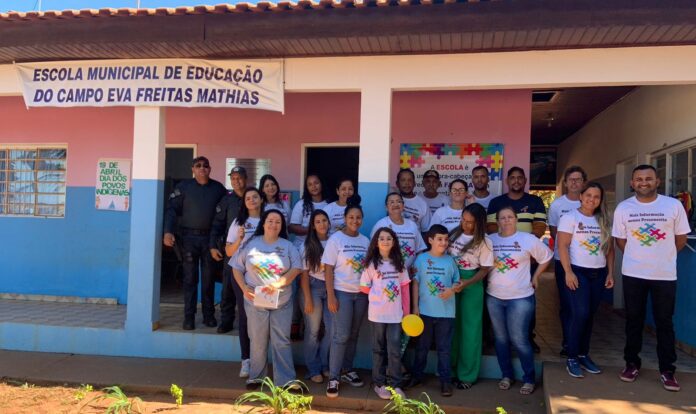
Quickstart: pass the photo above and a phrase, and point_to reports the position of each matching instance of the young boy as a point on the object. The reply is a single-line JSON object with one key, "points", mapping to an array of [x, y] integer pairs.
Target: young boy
{"points": [[432, 292]]}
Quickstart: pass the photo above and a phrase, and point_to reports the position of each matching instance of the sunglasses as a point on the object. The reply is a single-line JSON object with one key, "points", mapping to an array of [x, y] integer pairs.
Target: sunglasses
{"points": [[201, 165]]}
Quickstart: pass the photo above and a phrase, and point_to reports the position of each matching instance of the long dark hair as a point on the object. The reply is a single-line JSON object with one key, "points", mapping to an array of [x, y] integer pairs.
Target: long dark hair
{"points": [[602, 216], [243, 215], [307, 203], [262, 181], [283, 226], [479, 214], [375, 258], [313, 250]]}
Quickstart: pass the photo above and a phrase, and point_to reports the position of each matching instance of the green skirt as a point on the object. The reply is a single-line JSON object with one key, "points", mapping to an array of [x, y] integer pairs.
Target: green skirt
{"points": [[466, 345]]}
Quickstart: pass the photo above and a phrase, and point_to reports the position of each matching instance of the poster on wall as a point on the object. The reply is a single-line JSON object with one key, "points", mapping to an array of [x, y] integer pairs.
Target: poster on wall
{"points": [[113, 184], [454, 161]]}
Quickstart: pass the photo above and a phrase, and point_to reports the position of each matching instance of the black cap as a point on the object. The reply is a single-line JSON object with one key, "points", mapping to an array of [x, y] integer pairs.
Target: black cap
{"points": [[239, 170], [431, 173]]}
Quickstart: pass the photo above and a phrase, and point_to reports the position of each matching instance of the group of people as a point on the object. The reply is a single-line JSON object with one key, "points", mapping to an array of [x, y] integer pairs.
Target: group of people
{"points": [[442, 258]]}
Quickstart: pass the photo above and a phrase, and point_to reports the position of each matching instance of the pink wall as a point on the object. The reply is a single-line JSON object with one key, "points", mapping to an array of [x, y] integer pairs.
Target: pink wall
{"points": [[91, 133], [244, 133], [464, 117]]}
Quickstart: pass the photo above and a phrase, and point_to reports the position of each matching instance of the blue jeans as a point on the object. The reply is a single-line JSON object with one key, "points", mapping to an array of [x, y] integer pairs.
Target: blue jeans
{"points": [[270, 325], [346, 326], [441, 330], [510, 319], [563, 301], [584, 302], [316, 353], [386, 347]]}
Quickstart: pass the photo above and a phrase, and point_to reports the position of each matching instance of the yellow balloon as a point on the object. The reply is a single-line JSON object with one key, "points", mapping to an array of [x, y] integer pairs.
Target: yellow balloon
{"points": [[412, 325]]}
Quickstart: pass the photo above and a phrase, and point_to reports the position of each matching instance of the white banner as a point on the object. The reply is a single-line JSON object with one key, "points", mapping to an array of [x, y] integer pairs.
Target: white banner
{"points": [[160, 82], [112, 191]]}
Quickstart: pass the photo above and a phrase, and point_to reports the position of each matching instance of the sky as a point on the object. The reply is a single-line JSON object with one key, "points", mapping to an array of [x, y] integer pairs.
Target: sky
{"points": [[33, 5]]}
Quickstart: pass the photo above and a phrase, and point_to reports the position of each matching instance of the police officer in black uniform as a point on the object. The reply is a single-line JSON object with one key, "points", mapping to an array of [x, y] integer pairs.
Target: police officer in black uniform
{"points": [[226, 211], [193, 204]]}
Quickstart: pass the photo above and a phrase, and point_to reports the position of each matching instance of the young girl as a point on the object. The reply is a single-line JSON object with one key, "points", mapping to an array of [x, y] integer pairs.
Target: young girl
{"points": [[270, 190], [344, 261], [345, 190], [312, 199], [385, 281], [315, 304], [241, 229]]}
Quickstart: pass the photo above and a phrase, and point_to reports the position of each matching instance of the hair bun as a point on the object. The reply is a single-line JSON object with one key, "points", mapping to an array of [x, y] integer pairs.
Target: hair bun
{"points": [[354, 201]]}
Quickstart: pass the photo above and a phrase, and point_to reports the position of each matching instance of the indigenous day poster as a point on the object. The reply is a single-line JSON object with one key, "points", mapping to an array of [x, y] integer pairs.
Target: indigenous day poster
{"points": [[454, 161]]}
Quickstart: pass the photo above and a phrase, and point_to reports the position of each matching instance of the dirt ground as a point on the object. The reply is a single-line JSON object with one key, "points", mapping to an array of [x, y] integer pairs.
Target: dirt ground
{"points": [[23, 398]]}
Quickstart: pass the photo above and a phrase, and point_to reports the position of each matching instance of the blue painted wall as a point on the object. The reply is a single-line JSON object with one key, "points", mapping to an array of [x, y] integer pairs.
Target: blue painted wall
{"points": [[83, 254], [684, 320]]}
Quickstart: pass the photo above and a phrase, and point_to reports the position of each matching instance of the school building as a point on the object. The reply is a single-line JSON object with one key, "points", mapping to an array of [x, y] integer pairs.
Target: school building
{"points": [[602, 84]]}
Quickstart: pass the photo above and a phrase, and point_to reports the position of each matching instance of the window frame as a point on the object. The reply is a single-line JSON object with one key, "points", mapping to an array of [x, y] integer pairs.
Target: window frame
{"points": [[36, 192]]}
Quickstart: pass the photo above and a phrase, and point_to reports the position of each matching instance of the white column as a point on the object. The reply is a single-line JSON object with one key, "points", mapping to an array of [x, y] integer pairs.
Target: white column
{"points": [[146, 218], [375, 148]]}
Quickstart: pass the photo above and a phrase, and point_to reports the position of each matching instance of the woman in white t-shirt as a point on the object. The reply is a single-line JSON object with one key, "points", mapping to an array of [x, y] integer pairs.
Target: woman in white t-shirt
{"points": [[314, 301], [473, 252], [409, 237], [586, 250], [243, 227], [336, 210], [510, 295], [344, 261], [450, 215], [312, 199], [270, 189]]}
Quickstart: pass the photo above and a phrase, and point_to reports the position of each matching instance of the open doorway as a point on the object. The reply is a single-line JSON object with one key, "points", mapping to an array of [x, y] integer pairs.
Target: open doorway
{"points": [[177, 167], [332, 163]]}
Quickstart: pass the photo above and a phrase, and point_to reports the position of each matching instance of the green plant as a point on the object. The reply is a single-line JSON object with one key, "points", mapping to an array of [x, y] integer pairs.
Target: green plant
{"points": [[178, 394], [82, 392], [500, 410], [279, 399], [120, 401], [400, 405]]}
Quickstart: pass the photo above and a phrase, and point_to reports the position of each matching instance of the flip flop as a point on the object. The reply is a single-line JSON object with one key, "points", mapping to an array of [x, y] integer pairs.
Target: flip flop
{"points": [[505, 384], [527, 388]]}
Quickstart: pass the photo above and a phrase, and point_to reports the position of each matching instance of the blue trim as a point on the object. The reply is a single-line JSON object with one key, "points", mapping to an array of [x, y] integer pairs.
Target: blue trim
{"points": [[84, 254], [145, 264], [372, 195]]}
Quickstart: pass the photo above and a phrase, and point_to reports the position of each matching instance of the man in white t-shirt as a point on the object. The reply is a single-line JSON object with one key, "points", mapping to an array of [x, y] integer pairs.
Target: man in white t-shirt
{"points": [[574, 178], [650, 229], [431, 185], [415, 207], [480, 179]]}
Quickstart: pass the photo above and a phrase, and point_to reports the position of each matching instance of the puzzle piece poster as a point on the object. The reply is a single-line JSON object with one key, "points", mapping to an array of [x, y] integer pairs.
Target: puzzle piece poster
{"points": [[454, 161]]}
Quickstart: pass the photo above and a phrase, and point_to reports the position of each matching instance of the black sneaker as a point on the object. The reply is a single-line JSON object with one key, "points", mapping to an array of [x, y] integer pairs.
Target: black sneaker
{"points": [[224, 328], [210, 322], [446, 389], [332, 389], [189, 325], [352, 378]]}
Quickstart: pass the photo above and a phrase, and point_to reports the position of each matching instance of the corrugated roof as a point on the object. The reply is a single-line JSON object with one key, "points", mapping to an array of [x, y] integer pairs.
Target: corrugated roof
{"points": [[260, 7]]}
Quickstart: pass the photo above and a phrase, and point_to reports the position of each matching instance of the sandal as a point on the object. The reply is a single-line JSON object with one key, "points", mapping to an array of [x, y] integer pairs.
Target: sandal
{"points": [[463, 385], [527, 388], [505, 384]]}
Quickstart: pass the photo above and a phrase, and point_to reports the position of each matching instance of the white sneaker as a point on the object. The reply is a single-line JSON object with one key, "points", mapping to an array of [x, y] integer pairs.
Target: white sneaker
{"points": [[244, 370], [382, 392]]}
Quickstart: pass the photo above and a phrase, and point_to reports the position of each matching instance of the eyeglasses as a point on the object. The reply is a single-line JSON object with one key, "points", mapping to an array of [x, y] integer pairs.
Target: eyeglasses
{"points": [[201, 165]]}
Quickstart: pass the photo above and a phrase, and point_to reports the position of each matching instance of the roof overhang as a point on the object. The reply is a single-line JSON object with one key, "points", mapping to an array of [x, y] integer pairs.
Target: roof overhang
{"points": [[344, 27]]}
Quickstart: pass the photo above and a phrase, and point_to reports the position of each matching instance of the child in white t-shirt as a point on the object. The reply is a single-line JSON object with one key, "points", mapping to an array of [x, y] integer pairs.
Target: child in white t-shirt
{"points": [[385, 281]]}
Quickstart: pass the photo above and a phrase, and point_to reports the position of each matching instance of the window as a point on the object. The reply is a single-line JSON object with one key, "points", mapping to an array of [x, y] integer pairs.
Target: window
{"points": [[676, 170], [32, 181]]}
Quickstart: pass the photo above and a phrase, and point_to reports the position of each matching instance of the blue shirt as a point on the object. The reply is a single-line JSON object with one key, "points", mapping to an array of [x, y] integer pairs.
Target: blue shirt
{"points": [[434, 275]]}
